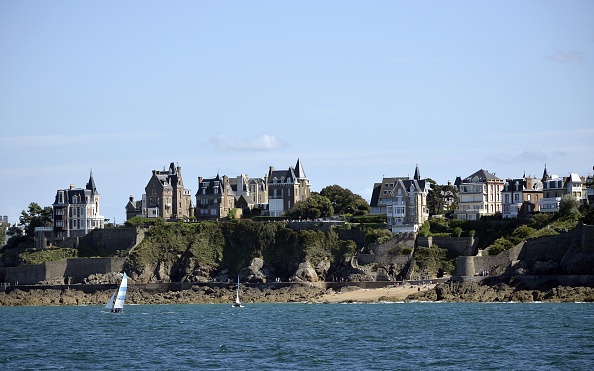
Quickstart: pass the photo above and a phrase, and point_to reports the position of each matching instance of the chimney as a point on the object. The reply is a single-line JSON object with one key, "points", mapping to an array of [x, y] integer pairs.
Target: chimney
{"points": [[132, 199], [71, 186]]}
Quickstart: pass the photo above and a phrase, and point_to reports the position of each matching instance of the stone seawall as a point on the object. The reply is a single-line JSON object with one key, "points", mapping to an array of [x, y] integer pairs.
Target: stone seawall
{"points": [[569, 253], [495, 264], [112, 240], [73, 270], [458, 245]]}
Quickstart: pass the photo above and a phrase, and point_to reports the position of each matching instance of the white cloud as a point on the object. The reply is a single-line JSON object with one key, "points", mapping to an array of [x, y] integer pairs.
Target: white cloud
{"points": [[565, 57], [265, 142]]}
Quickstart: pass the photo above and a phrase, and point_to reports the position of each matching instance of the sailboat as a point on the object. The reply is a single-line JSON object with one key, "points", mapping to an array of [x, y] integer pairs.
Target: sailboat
{"points": [[237, 303], [116, 302]]}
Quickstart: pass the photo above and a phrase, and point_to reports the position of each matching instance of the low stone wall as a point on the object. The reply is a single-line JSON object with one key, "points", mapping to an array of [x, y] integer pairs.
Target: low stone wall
{"points": [[317, 225], [72, 270], [398, 260]]}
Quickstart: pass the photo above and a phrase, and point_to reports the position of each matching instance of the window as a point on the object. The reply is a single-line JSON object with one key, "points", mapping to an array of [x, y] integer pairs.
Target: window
{"points": [[516, 198], [507, 199]]}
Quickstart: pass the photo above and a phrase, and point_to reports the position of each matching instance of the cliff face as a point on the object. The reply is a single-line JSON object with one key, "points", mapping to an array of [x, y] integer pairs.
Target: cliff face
{"points": [[199, 252]]}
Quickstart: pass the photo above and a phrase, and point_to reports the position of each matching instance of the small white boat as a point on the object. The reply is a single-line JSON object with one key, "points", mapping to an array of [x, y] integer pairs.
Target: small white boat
{"points": [[116, 302], [237, 303]]}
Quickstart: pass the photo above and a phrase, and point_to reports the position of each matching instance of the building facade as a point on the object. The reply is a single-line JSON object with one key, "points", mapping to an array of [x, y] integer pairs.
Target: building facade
{"points": [[250, 194], [555, 187], [215, 197], [285, 188], [521, 197], [479, 195], [403, 201], [165, 196], [76, 211]]}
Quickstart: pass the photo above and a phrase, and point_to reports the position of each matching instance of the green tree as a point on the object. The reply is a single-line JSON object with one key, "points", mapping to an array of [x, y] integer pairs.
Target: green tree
{"points": [[538, 221], [441, 198], [344, 201], [315, 206], [501, 244], [34, 217], [569, 208], [522, 233]]}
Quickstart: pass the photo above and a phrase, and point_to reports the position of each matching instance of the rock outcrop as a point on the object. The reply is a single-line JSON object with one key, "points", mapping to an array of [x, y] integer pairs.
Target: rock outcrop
{"points": [[196, 295], [503, 292]]}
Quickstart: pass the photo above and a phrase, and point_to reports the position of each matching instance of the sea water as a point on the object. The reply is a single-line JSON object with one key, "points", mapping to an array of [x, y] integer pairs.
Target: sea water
{"points": [[293, 336]]}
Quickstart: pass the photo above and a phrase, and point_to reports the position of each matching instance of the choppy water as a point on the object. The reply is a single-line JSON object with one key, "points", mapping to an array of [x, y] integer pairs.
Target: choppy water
{"points": [[301, 337]]}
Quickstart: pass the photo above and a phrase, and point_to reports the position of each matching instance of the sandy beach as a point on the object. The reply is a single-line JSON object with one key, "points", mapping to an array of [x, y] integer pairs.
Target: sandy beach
{"points": [[397, 293]]}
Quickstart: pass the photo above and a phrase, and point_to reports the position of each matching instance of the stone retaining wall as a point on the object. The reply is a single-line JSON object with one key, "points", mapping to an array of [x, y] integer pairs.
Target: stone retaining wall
{"points": [[73, 270], [458, 245], [545, 249]]}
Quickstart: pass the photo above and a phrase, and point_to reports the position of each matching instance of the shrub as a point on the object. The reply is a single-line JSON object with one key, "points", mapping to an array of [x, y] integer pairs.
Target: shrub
{"points": [[407, 251], [501, 244], [522, 233], [369, 219], [424, 230], [457, 232], [539, 221], [377, 235]]}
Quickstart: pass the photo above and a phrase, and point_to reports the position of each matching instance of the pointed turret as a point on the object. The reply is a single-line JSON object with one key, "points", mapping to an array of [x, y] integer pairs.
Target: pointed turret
{"points": [[545, 174], [91, 185], [417, 175], [299, 170]]}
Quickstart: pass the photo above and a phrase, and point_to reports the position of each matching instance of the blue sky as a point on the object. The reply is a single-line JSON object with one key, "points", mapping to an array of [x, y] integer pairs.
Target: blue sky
{"points": [[357, 90]]}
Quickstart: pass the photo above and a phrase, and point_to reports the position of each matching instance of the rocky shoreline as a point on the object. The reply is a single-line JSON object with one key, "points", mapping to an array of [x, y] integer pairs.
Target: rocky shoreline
{"points": [[447, 292], [196, 295], [502, 292]]}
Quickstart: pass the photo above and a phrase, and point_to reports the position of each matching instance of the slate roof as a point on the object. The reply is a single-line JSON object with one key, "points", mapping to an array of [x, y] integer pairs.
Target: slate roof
{"points": [[482, 175], [294, 173], [91, 185], [386, 187], [211, 185]]}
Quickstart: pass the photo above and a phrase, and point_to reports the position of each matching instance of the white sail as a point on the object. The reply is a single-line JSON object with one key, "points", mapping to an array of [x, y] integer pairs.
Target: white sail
{"points": [[116, 302], [109, 304], [237, 302], [121, 297]]}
